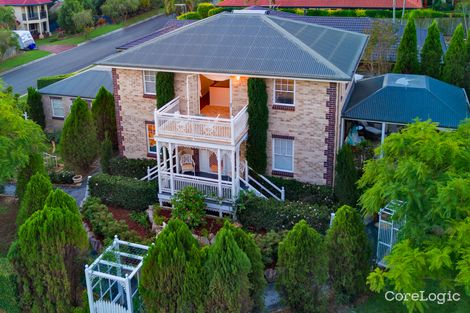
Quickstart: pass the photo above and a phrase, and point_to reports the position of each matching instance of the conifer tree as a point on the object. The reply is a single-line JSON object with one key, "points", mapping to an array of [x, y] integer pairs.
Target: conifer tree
{"points": [[346, 177], [79, 145], [302, 267], [60, 199], [37, 190], [407, 53], [35, 165], [169, 270], [431, 53], [348, 254], [104, 115], [106, 154], [257, 125], [165, 88], [467, 64], [36, 110], [227, 269], [453, 70]]}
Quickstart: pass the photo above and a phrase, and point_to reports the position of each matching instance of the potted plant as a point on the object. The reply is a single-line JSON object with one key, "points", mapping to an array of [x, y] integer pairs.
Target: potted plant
{"points": [[77, 179]]}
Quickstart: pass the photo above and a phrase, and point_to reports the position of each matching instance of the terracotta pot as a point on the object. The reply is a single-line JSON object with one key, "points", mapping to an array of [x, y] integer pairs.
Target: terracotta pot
{"points": [[77, 179]]}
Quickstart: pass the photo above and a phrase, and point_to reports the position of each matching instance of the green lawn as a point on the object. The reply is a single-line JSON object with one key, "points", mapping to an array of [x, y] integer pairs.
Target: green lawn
{"points": [[99, 31], [21, 59]]}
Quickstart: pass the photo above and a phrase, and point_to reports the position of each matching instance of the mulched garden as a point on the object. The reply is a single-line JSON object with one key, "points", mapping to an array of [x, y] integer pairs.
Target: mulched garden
{"points": [[8, 211]]}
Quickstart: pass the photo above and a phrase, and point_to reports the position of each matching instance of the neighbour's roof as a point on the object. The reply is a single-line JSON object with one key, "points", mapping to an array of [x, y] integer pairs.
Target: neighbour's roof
{"points": [[85, 84], [250, 44], [366, 4], [24, 2], [400, 98]]}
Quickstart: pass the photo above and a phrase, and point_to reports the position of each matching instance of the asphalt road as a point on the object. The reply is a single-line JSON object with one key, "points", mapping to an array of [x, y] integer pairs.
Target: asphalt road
{"points": [[79, 57]]}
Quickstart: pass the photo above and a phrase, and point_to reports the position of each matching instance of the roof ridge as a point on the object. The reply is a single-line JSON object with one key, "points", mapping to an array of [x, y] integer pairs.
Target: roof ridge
{"points": [[303, 46]]}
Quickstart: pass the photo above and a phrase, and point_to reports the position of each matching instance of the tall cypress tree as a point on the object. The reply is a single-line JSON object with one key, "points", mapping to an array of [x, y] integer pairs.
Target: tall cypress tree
{"points": [[35, 165], [467, 64], [165, 88], [37, 190], [431, 53], [348, 254], [257, 125], [60, 199], [36, 110], [104, 115], [346, 177], [407, 53], [79, 145], [453, 70]]}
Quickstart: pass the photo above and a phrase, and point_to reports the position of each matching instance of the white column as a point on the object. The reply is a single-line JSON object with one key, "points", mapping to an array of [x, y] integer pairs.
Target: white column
{"points": [[341, 133], [91, 301], [172, 182], [382, 139], [177, 159], [237, 168], [159, 168], [232, 163], [219, 172], [230, 86], [130, 305]]}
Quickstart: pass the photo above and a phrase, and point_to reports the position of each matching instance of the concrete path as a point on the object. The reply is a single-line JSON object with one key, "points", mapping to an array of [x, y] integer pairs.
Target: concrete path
{"points": [[79, 57]]}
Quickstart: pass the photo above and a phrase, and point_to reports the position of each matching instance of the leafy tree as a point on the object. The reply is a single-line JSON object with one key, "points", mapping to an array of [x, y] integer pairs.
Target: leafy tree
{"points": [[47, 258], [35, 165], [106, 154], [169, 6], [79, 145], [302, 267], [189, 206], [37, 190], [346, 177], [227, 270], [431, 53], [453, 70], [83, 20], [120, 9], [19, 138], [257, 125], [382, 37], [36, 110], [166, 270], [407, 53], [66, 12], [348, 254], [7, 40], [203, 9], [165, 88], [429, 171], [104, 114], [7, 17]]}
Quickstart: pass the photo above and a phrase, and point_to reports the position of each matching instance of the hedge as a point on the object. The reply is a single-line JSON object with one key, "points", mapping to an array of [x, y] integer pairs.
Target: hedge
{"points": [[373, 13], [203, 9], [62, 177], [134, 168], [124, 192], [189, 16], [215, 11], [49, 80], [269, 214], [8, 298]]}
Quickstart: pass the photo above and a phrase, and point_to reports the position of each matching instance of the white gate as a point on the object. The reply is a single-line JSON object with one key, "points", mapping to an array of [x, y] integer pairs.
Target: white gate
{"points": [[103, 306], [387, 232]]}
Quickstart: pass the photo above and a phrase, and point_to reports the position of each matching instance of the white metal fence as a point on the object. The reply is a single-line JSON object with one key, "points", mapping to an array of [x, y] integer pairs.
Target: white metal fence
{"points": [[387, 233]]}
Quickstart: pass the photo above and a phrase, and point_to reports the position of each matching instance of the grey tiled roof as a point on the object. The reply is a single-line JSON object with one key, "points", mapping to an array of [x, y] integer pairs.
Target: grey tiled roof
{"points": [[85, 84], [250, 44], [400, 98]]}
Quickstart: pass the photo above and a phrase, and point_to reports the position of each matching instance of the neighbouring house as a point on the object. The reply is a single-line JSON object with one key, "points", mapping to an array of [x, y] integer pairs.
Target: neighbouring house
{"points": [[382, 105], [30, 15], [57, 98], [199, 137], [324, 4]]}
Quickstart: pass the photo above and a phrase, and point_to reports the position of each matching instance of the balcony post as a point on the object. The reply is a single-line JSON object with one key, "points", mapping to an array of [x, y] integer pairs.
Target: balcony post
{"points": [[155, 121], [159, 167], [232, 163], [172, 181], [177, 159], [237, 171], [219, 173]]}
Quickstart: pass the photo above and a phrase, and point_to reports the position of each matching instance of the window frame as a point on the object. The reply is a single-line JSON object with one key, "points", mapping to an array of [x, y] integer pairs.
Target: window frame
{"points": [[146, 92], [52, 107], [147, 138], [275, 90], [274, 169]]}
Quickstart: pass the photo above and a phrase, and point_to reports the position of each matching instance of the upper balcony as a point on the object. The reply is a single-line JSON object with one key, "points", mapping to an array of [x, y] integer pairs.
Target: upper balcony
{"points": [[213, 125]]}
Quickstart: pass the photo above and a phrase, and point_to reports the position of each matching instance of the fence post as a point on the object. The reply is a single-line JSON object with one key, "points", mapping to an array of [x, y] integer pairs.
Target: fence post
{"points": [[148, 173], [283, 194], [246, 171], [89, 287]]}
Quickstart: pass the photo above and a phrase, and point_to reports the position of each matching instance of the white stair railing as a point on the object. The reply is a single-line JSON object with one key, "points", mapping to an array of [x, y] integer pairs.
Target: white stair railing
{"points": [[268, 189], [152, 173]]}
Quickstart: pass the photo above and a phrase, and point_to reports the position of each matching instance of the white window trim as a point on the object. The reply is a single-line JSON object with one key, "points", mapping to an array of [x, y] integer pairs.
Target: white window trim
{"points": [[274, 93], [273, 155], [147, 139], [52, 106], [145, 85]]}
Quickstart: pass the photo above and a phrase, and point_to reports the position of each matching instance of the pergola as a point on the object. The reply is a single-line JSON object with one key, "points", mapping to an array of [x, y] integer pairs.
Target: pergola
{"points": [[113, 278]]}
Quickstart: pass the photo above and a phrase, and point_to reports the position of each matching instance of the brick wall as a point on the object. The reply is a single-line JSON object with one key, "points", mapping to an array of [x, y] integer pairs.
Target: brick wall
{"points": [[330, 130]]}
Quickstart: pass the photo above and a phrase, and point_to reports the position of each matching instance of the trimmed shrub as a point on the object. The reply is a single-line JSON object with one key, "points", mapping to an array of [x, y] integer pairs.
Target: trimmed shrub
{"points": [[35, 165], [104, 224], [168, 271], [190, 16], [203, 9], [78, 144], [348, 254], [257, 125], [135, 168], [36, 110], [49, 80], [304, 192], [188, 206], [215, 11], [431, 53], [165, 88], [268, 244], [346, 177], [8, 300], [37, 190], [453, 70], [104, 115], [60, 199], [124, 192], [407, 53], [106, 154], [269, 214], [302, 269], [62, 177]]}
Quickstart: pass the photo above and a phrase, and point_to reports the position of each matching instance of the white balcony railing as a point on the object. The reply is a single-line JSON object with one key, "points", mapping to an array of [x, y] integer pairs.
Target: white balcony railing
{"points": [[169, 122]]}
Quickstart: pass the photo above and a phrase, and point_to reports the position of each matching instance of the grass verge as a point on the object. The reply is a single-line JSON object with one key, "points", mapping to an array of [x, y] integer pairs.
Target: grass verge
{"points": [[22, 59]]}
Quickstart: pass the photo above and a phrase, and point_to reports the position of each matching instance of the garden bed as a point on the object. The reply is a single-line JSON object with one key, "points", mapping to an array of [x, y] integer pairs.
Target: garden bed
{"points": [[211, 225], [125, 215]]}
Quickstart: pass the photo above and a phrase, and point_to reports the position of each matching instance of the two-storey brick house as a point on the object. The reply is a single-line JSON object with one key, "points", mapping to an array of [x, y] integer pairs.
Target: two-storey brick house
{"points": [[199, 137]]}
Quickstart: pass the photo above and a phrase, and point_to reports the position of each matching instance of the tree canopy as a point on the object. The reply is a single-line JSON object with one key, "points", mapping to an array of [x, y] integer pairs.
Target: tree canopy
{"points": [[431, 53], [104, 114], [7, 17], [453, 70], [257, 125], [407, 53], [37, 191], [120, 9], [36, 110], [66, 13], [429, 171]]}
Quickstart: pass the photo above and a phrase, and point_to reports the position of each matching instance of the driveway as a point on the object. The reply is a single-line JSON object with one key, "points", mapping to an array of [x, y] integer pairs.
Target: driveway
{"points": [[79, 57]]}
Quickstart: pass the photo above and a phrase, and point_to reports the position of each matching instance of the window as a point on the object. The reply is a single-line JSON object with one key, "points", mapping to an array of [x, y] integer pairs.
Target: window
{"points": [[283, 155], [57, 108], [284, 90], [150, 83], [151, 142]]}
